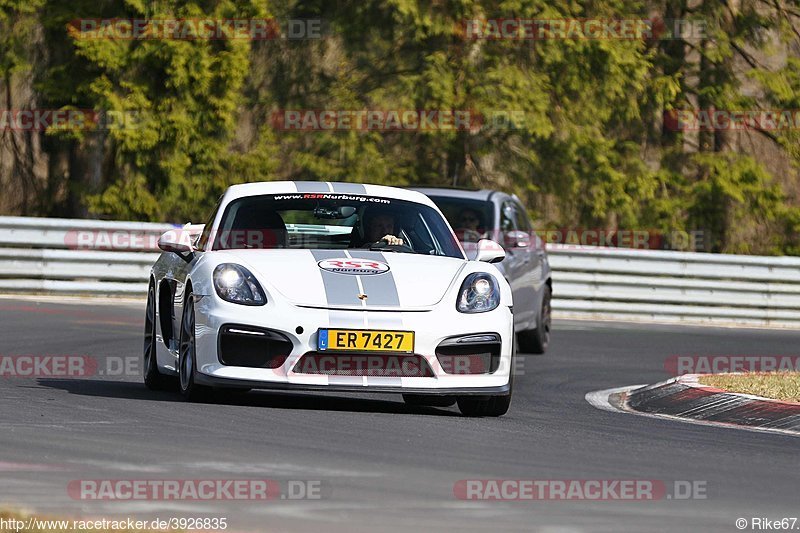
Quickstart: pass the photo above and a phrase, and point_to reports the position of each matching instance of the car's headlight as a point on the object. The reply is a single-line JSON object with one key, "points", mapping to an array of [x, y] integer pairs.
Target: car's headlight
{"points": [[234, 283], [479, 293]]}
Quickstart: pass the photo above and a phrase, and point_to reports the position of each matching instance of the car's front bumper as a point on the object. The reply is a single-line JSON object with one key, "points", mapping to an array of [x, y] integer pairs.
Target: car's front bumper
{"points": [[213, 381], [430, 328]]}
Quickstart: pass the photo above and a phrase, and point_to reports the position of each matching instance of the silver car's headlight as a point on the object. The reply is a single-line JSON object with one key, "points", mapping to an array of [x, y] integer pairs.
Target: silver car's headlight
{"points": [[234, 283], [479, 293]]}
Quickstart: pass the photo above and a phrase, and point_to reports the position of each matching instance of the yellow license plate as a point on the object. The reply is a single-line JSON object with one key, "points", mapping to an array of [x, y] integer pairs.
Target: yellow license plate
{"points": [[363, 340]]}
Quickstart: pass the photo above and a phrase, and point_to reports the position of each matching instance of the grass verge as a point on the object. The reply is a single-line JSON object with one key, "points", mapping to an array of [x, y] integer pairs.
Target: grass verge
{"points": [[783, 386]]}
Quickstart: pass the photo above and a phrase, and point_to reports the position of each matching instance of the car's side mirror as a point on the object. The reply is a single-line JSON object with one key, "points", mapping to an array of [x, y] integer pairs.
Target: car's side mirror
{"points": [[194, 231], [516, 239], [172, 241], [489, 252], [180, 241]]}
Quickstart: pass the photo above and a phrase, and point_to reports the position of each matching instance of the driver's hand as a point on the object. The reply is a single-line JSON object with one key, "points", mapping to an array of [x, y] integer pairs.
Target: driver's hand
{"points": [[391, 240]]}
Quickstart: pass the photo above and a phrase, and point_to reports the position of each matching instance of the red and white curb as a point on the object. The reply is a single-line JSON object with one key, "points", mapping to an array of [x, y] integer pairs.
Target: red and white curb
{"points": [[685, 398]]}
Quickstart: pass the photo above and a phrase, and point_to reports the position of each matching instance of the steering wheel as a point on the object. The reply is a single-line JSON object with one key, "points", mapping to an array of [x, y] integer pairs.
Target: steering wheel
{"points": [[384, 244]]}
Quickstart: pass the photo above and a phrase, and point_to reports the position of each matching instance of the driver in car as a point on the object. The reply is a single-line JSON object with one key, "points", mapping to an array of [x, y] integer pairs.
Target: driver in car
{"points": [[469, 226], [381, 227]]}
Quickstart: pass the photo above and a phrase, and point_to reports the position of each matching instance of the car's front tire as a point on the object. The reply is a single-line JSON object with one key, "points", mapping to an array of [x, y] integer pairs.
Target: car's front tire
{"points": [[495, 405], [153, 379], [187, 360], [537, 340], [484, 405]]}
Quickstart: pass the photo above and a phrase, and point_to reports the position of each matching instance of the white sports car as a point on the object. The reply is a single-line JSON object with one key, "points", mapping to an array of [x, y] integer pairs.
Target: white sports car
{"points": [[330, 286]]}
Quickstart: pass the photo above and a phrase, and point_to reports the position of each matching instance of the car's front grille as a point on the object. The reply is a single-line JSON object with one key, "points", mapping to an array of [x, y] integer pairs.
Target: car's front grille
{"points": [[252, 347], [375, 365]]}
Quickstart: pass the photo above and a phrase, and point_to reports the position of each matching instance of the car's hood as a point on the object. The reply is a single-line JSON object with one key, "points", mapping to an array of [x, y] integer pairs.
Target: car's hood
{"points": [[336, 278]]}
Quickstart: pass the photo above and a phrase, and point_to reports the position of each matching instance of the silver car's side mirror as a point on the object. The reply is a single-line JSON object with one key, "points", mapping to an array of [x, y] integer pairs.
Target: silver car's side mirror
{"points": [[489, 252], [517, 239]]}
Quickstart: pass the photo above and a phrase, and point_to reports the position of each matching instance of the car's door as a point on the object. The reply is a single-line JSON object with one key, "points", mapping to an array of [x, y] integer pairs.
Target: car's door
{"points": [[535, 247], [531, 271], [515, 262], [177, 269]]}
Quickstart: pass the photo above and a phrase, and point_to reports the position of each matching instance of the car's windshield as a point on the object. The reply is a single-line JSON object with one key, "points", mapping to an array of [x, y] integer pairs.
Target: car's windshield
{"points": [[472, 220], [334, 221]]}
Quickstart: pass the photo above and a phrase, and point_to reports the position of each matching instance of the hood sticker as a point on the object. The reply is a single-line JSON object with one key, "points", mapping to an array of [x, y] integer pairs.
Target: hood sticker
{"points": [[354, 267]]}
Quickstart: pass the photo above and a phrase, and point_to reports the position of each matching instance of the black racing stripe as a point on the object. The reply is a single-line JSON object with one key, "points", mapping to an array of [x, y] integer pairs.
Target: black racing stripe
{"points": [[340, 289], [349, 188], [312, 186], [381, 289]]}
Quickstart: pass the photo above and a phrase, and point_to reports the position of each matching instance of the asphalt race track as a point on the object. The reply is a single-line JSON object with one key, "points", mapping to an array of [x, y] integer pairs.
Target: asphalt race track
{"points": [[381, 464]]}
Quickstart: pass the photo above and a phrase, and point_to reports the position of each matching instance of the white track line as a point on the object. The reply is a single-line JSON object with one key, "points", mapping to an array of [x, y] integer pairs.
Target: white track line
{"points": [[599, 400]]}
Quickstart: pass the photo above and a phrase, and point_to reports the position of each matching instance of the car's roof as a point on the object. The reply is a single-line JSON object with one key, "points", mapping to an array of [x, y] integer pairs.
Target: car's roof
{"points": [[482, 194], [324, 187]]}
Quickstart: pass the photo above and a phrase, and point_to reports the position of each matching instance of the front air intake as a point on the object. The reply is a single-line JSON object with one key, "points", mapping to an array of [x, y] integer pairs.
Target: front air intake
{"points": [[470, 354], [252, 347]]}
